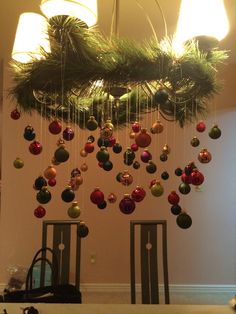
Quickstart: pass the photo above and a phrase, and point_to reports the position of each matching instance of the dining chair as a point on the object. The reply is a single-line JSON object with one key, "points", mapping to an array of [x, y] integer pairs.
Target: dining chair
{"points": [[148, 260]]}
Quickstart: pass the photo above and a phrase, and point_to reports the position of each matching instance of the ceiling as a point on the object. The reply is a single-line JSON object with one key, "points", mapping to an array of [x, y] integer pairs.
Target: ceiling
{"points": [[133, 22]]}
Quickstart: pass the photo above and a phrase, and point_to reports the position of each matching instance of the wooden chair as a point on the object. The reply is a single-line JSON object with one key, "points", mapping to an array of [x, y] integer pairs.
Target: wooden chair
{"points": [[150, 238]]}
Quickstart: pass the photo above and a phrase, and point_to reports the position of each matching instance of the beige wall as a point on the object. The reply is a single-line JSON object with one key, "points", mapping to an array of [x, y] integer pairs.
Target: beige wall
{"points": [[203, 254]]}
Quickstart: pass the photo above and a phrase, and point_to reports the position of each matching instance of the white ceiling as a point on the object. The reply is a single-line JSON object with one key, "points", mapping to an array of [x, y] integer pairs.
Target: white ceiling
{"points": [[132, 20]]}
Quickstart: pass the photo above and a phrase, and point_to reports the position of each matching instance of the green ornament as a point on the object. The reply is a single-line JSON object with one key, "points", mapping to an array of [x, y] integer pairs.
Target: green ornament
{"points": [[151, 167], [92, 124], [214, 132], [184, 221], [102, 155], [163, 157], [136, 165], [178, 172], [195, 141], [43, 196], [74, 210], [184, 188], [165, 175], [18, 163], [61, 154], [157, 189]]}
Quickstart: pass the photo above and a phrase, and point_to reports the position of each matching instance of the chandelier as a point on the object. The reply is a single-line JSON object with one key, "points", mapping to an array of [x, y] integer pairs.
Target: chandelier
{"points": [[73, 70]]}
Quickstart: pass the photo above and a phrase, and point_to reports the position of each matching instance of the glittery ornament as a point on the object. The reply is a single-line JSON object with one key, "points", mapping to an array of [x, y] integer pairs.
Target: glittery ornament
{"points": [[103, 142], [83, 230], [117, 148], [15, 114], [44, 195], [111, 198], [84, 167], [68, 134], [157, 189], [204, 156], [200, 127], [74, 210], [195, 141], [184, 188], [166, 149], [138, 194], [151, 167], [55, 127], [102, 205], [39, 183], [68, 194], [108, 124], [106, 132], [97, 196], [18, 163], [163, 157], [136, 127], [178, 172], [136, 165], [50, 172], [52, 182], [173, 198], [127, 205], [35, 148], [61, 154], [103, 155], [214, 132], [89, 148], [29, 133], [197, 177], [157, 127], [92, 124], [143, 139], [126, 178], [146, 156], [165, 175], [134, 147], [184, 221], [175, 209], [39, 212], [129, 155], [161, 96], [186, 178], [75, 182]]}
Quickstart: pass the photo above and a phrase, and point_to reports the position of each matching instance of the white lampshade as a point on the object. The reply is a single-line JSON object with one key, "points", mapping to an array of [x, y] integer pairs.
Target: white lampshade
{"points": [[31, 37], [201, 18], [85, 10]]}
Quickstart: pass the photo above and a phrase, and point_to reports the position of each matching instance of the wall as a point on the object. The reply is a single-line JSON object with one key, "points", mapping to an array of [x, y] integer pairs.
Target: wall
{"points": [[203, 254]]}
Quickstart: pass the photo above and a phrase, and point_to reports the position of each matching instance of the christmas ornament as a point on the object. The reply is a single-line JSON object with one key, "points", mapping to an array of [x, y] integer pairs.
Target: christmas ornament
{"points": [[39, 183], [146, 156], [136, 127], [214, 132], [151, 167], [204, 156], [195, 141], [44, 195], [106, 132], [108, 124], [126, 178], [197, 177], [186, 178], [92, 124], [55, 162], [189, 169], [184, 188], [163, 157], [200, 127], [184, 221], [143, 139], [166, 149], [112, 141], [39, 212], [60, 142], [75, 182], [29, 133], [83, 153], [138, 194], [173, 198], [103, 142], [111, 198], [74, 210], [117, 148], [178, 172], [157, 189], [127, 205], [136, 165], [132, 135], [176, 209], [108, 165], [165, 175], [68, 194], [68, 134], [91, 139], [75, 172], [18, 163], [35, 148], [88, 147], [15, 114], [129, 156], [161, 96], [55, 127], [97, 196], [84, 167], [154, 181], [157, 127], [134, 147], [102, 155], [52, 182], [118, 177], [102, 205], [50, 172], [83, 230]]}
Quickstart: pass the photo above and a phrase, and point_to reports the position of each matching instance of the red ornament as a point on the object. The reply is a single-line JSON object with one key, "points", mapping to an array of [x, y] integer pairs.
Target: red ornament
{"points": [[173, 198], [15, 114], [186, 178], [204, 156], [197, 177], [52, 182], [39, 212], [134, 147], [143, 139], [97, 196], [154, 181], [35, 148], [200, 127], [136, 127], [138, 194], [112, 141], [89, 148], [55, 127], [112, 198]]}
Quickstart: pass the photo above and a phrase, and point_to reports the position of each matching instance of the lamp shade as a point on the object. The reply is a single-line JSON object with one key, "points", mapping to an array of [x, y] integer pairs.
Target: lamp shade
{"points": [[201, 18], [85, 10], [31, 37]]}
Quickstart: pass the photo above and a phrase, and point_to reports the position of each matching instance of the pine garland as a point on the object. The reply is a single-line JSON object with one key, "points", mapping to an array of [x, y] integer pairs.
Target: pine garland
{"points": [[65, 82]]}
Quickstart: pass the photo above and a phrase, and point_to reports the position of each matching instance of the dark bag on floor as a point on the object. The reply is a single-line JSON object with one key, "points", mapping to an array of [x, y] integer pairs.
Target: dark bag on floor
{"points": [[55, 293]]}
